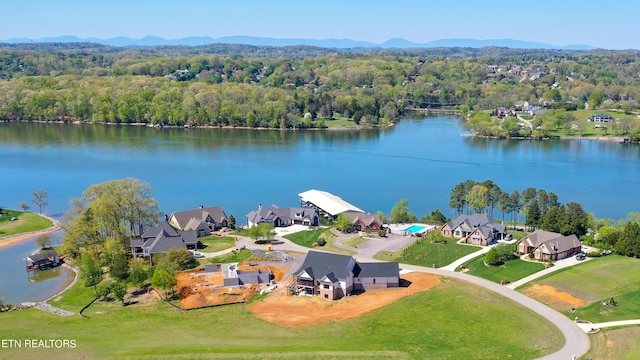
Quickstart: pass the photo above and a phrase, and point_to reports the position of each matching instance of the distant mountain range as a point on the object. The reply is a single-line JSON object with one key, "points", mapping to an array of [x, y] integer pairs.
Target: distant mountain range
{"points": [[395, 43]]}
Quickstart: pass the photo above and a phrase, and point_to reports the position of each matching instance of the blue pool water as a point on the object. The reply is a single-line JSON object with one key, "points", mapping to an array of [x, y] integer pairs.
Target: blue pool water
{"points": [[414, 229]]}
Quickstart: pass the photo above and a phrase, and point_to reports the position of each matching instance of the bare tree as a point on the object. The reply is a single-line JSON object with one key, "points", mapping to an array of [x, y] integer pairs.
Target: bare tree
{"points": [[40, 199]]}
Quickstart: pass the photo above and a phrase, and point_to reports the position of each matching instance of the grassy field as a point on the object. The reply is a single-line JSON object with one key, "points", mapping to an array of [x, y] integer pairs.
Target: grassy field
{"points": [[510, 271], [215, 243], [615, 344], [355, 241], [27, 221], [232, 257], [424, 325], [308, 238], [425, 253], [599, 280], [589, 129]]}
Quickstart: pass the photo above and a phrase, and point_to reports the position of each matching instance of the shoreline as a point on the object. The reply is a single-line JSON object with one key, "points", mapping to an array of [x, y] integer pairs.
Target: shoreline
{"points": [[161, 126], [9, 240], [612, 138]]}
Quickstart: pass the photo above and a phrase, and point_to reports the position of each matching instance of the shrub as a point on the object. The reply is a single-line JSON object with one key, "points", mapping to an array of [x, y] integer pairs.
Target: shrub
{"points": [[321, 242], [593, 254], [382, 233], [499, 254]]}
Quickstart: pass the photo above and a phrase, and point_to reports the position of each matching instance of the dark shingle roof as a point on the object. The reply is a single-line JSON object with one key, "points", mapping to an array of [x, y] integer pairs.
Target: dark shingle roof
{"points": [[318, 264], [163, 237], [269, 213], [43, 256], [377, 269]]}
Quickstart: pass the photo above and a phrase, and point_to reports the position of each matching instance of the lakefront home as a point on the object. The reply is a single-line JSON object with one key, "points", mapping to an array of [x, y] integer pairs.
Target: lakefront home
{"points": [[333, 276], [282, 217], [601, 118], [546, 245], [161, 238], [213, 218], [476, 229]]}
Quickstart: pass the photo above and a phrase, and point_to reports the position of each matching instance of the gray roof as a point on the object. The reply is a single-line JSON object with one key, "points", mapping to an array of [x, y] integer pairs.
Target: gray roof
{"points": [[318, 264], [249, 277], [550, 242], [215, 213], [43, 256], [486, 224], [163, 237], [538, 237], [287, 215], [377, 269], [366, 219]]}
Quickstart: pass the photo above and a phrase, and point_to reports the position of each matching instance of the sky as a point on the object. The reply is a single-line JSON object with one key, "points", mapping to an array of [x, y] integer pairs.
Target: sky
{"points": [[609, 25]]}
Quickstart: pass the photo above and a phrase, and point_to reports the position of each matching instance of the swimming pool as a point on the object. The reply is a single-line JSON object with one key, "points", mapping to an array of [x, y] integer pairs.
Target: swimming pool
{"points": [[414, 229]]}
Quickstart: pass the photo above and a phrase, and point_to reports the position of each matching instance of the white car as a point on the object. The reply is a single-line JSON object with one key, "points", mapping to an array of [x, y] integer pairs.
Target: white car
{"points": [[196, 254]]}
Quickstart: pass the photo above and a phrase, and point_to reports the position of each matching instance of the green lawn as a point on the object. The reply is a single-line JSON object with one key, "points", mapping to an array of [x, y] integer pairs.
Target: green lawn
{"points": [[309, 237], [443, 323], [355, 241], [215, 243], [240, 232], [512, 270], [620, 343], [425, 253], [27, 221], [232, 257], [598, 280]]}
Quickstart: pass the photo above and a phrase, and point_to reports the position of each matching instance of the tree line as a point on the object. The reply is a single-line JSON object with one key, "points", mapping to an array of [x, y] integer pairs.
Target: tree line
{"points": [[541, 209], [294, 87]]}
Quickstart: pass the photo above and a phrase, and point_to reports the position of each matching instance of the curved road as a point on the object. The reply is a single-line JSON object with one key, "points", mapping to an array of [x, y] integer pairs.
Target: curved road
{"points": [[576, 340]]}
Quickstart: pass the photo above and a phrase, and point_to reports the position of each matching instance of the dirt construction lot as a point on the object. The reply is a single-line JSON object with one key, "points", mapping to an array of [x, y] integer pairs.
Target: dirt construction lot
{"points": [[198, 289], [293, 311]]}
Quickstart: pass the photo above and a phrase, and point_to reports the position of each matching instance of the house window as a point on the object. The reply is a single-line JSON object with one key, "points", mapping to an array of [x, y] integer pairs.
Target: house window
{"points": [[458, 233], [446, 232], [326, 296], [325, 286]]}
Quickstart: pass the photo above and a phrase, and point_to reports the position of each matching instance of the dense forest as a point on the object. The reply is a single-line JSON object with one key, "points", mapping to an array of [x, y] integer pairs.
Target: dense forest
{"points": [[300, 86]]}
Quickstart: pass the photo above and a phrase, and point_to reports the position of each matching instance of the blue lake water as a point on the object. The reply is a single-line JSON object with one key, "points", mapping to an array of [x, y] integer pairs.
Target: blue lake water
{"points": [[418, 159], [19, 285]]}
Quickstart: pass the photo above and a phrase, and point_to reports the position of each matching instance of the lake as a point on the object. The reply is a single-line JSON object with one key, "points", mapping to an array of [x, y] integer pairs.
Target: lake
{"points": [[418, 159], [18, 285]]}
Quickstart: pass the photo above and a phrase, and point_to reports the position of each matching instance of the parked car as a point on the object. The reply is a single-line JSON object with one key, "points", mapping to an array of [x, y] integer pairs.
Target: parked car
{"points": [[196, 254], [580, 257], [225, 229]]}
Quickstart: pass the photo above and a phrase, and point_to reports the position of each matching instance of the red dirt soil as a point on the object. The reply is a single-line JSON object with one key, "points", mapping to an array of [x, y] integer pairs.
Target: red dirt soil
{"points": [[194, 291], [293, 311], [552, 296]]}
